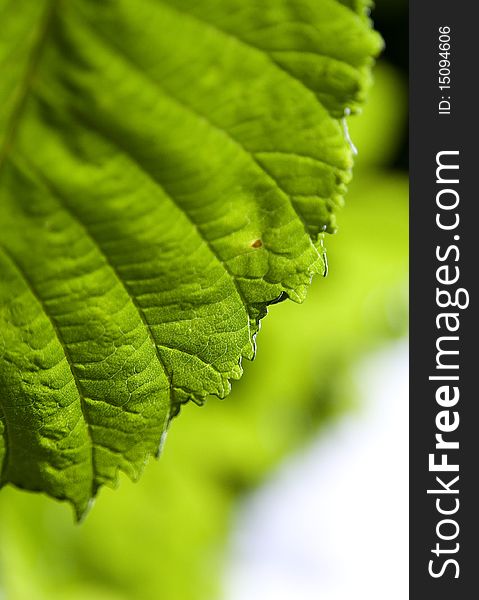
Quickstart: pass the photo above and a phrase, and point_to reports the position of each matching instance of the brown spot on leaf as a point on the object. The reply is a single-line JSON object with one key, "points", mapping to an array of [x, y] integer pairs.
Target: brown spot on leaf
{"points": [[256, 244]]}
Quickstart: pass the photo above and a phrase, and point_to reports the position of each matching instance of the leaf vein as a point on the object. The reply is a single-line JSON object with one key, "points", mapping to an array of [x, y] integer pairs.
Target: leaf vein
{"points": [[62, 342]]}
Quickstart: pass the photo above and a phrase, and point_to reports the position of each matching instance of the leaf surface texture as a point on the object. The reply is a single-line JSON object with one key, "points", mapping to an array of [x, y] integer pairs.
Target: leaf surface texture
{"points": [[166, 168]]}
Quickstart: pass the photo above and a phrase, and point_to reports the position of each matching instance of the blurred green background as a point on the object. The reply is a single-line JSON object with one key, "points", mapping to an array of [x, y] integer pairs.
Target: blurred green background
{"points": [[165, 537]]}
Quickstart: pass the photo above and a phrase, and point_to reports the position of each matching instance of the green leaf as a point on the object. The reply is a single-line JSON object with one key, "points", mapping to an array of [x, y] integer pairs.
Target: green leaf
{"points": [[166, 168]]}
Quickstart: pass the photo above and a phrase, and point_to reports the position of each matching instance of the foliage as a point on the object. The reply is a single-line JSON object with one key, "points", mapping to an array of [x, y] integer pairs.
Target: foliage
{"points": [[167, 170]]}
